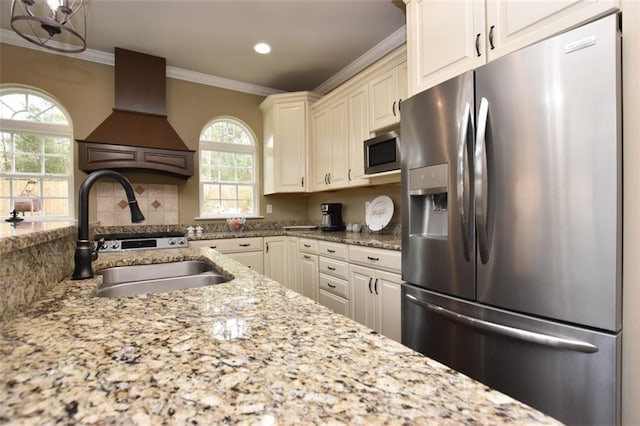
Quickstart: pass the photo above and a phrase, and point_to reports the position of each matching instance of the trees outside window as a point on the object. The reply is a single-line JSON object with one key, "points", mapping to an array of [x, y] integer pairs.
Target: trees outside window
{"points": [[227, 159], [36, 156]]}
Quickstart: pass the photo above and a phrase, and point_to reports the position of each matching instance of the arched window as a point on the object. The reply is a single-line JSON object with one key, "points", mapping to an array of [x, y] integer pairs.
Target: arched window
{"points": [[227, 161], [36, 156]]}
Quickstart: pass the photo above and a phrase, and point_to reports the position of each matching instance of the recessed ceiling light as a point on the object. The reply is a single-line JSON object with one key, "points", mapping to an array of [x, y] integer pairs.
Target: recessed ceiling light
{"points": [[262, 48]]}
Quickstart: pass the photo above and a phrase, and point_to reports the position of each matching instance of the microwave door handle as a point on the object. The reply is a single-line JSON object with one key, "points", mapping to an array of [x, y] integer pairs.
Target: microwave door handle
{"points": [[516, 333], [480, 181], [461, 174]]}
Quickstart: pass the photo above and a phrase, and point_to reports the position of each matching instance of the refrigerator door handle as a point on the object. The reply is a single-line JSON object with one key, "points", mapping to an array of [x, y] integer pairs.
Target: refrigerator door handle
{"points": [[516, 333], [480, 181], [461, 173]]}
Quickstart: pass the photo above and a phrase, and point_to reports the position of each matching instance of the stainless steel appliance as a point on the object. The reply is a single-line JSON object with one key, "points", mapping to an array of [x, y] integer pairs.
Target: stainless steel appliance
{"points": [[382, 153], [142, 241], [511, 224], [331, 217]]}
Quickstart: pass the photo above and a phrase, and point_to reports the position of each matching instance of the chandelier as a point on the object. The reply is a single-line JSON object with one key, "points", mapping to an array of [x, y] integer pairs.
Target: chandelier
{"points": [[48, 23]]}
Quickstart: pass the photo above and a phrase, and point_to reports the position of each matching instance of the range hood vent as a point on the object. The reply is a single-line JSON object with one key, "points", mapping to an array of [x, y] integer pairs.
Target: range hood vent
{"points": [[137, 135]]}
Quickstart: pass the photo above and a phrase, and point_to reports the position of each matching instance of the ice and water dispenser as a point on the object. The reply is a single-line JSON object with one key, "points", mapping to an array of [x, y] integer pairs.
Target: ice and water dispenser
{"points": [[428, 191]]}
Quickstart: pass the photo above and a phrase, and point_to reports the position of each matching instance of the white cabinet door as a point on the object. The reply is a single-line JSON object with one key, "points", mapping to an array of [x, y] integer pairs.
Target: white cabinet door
{"points": [[331, 145], [290, 128], [321, 149], [308, 273], [286, 141], [252, 259], [358, 133], [292, 280], [441, 40], [275, 266], [383, 100], [362, 301], [376, 300], [339, 142], [512, 25], [388, 305]]}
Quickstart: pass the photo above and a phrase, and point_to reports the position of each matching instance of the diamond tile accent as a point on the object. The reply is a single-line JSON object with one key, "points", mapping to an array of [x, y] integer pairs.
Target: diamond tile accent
{"points": [[140, 189], [123, 204], [156, 204]]}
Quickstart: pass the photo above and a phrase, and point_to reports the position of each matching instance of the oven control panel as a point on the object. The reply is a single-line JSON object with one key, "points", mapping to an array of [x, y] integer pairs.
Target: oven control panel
{"points": [[124, 242]]}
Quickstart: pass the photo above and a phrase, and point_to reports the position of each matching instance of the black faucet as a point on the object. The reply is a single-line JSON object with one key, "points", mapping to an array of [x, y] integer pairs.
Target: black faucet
{"points": [[85, 253]]}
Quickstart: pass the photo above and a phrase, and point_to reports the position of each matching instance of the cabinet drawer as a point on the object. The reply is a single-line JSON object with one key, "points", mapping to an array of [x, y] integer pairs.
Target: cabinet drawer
{"points": [[335, 303], [334, 285], [307, 245], [389, 260], [334, 250], [335, 268], [231, 245]]}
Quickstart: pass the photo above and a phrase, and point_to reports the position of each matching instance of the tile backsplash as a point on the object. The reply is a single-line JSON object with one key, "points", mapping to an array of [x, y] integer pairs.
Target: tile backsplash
{"points": [[159, 203]]}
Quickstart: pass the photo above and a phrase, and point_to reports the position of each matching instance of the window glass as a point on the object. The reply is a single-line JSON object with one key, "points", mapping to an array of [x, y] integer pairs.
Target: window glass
{"points": [[36, 156], [227, 169]]}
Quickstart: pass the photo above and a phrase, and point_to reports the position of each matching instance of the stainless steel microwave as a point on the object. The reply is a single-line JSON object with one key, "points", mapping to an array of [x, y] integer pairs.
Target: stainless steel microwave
{"points": [[382, 153]]}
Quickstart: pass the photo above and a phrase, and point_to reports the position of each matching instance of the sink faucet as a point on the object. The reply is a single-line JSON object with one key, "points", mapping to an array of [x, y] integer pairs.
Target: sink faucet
{"points": [[85, 253]]}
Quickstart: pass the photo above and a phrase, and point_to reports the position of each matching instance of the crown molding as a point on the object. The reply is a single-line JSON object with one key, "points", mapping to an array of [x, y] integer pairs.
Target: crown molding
{"points": [[98, 56], [395, 40]]}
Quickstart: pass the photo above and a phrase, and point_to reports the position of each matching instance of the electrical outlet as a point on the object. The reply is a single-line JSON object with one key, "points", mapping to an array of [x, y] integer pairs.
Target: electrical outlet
{"points": [[269, 208]]}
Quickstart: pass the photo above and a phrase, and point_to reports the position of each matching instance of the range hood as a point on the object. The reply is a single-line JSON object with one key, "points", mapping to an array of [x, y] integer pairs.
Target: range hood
{"points": [[137, 135]]}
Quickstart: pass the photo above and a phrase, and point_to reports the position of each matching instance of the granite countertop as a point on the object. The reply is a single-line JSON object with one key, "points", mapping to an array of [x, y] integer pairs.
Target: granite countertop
{"points": [[248, 351], [368, 239]]}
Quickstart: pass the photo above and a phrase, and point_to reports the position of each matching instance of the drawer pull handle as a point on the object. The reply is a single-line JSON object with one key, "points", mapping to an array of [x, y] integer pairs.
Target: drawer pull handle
{"points": [[331, 285], [307, 257], [213, 247], [245, 245], [331, 268], [375, 259], [307, 245], [331, 251]]}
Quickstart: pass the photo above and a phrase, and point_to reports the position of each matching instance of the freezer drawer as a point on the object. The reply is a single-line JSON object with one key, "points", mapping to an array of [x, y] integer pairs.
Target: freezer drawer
{"points": [[567, 372]]}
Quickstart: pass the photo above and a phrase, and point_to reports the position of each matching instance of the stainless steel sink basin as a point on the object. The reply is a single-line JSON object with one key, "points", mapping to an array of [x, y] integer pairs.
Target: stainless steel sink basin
{"points": [[156, 278]]}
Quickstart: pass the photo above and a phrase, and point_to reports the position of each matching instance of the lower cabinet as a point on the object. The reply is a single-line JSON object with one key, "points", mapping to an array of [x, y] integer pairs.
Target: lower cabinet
{"points": [[275, 259], [291, 253], [375, 285], [308, 275]]}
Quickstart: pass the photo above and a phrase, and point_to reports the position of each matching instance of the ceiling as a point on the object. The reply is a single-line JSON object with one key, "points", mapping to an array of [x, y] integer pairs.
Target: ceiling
{"points": [[311, 40]]}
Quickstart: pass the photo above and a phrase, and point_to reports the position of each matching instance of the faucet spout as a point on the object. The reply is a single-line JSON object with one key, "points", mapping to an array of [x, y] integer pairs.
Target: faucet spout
{"points": [[84, 251]]}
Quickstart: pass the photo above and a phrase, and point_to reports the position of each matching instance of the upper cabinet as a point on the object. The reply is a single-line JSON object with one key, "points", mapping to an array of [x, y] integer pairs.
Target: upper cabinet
{"points": [[286, 141], [447, 38], [386, 90], [358, 110], [330, 134]]}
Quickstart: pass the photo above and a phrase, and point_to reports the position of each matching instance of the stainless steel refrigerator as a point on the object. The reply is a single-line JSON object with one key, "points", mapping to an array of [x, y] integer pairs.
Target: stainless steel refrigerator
{"points": [[511, 224]]}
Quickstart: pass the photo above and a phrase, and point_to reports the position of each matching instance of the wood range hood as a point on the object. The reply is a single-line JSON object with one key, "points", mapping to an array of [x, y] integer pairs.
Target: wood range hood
{"points": [[137, 135]]}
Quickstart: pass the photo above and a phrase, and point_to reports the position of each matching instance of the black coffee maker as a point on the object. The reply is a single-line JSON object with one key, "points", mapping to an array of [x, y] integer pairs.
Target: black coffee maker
{"points": [[331, 217]]}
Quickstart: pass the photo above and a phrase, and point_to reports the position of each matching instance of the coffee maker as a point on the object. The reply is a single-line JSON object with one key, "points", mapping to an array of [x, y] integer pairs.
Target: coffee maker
{"points": [[331, 217]]}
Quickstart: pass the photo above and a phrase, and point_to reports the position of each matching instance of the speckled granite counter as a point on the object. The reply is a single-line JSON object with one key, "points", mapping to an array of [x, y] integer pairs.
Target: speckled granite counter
{"points": [[385, 241], [245, 352]]}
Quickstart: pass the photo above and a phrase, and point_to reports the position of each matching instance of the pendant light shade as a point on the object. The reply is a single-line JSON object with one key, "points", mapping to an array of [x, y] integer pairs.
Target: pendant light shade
{"points": [[59, 25]]}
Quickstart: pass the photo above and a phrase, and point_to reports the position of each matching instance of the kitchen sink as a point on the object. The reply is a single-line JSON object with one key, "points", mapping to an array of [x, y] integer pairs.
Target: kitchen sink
{"points": [[157, 278]]}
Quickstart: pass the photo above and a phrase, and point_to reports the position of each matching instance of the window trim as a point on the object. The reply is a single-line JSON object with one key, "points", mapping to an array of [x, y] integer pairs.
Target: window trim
{"points": [[43, 129], [236, 148]]}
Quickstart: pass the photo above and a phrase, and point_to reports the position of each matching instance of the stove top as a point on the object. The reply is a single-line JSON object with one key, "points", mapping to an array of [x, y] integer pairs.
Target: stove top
{"points": [[142, 241]]}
